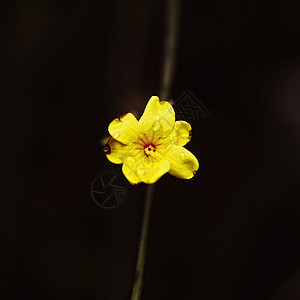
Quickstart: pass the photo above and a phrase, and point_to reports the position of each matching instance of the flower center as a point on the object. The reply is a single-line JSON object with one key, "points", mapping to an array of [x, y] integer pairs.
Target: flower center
{"points": [[149, 148]]}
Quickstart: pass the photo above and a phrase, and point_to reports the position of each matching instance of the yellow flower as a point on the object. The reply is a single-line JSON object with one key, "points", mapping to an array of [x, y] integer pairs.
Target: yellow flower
{"points": [[152, 146]]}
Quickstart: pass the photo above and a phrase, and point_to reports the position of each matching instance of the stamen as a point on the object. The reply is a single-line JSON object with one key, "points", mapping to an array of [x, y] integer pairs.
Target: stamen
{"points": [[149, 149]]}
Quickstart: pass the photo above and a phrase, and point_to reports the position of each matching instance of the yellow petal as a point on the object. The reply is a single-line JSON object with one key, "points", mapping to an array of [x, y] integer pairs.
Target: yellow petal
{"points": [[158, 118], [181, 134], [124, 129], [146, 170], [118, 152], [182, 162]]}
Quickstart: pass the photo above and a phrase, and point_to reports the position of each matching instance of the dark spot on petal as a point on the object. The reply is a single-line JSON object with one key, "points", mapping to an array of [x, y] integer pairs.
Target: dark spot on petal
{"points": [[133, 183], [122, 116]]}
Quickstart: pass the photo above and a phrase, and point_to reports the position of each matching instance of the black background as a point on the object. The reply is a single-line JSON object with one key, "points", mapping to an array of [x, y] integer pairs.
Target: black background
{"points": [[69, 68]]}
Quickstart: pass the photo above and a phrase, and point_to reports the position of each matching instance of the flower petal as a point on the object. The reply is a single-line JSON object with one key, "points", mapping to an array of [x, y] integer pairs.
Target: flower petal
{"points": [[182, 162], [144, 170], [181, 134], [124, 129], [158, 118], [118, 152]]}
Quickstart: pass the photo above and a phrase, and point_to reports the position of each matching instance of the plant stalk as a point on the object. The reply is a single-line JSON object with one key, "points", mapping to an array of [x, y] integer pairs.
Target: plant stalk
{"points": [[170, 44], [138, 282]]}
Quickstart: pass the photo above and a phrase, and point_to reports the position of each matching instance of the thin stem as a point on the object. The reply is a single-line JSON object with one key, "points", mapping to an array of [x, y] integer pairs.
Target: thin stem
{"points": [[137, 287], [170, 43]]}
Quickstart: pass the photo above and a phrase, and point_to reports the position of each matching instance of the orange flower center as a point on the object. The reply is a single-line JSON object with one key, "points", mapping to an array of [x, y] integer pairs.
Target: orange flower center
{"points": [[149, 148]]}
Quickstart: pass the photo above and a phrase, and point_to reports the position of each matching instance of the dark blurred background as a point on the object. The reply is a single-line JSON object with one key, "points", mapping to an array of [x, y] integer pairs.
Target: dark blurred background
{"points": [[69, 68]]}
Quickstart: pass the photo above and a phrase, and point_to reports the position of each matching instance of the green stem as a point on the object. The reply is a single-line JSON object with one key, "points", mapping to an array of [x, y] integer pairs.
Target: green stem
{"points": [[170, 43], [137, 287]]}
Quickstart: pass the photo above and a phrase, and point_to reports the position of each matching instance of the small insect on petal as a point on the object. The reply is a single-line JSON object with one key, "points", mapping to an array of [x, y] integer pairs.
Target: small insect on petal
{"points": [[106, 149]]}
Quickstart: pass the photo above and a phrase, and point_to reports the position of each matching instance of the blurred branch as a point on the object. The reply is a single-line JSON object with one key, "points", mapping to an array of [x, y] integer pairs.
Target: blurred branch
{"points": [[170, 45]]}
